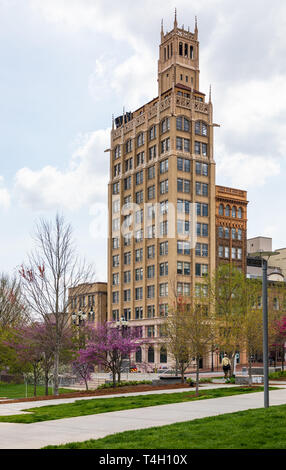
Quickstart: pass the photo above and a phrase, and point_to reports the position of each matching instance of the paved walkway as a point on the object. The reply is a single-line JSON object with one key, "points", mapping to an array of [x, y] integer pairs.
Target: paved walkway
{"points": [[37, 435]]}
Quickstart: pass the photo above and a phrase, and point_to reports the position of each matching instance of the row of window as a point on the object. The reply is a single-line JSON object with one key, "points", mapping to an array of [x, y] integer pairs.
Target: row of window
{"points": [[163, 292], [80, 301], [183, 288], [227, 211], [182, 124], [183, 186], [224, 252], [183, 164], [226, 232]]}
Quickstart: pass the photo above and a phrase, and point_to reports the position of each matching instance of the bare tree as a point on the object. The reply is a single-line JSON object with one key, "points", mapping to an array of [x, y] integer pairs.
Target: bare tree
{"points": [[53, 267], [13, 309]]}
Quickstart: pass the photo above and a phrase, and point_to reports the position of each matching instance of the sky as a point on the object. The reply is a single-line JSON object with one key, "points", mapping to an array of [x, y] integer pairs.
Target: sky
{"points": [[66, 66]]}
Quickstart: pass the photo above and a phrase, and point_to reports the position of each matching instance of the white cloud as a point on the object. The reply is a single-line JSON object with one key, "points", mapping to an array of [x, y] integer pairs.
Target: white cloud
{"points": [[4, 195], [84, 181], [244, 171]]}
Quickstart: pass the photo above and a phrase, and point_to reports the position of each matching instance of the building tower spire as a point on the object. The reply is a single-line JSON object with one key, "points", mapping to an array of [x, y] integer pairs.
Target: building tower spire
{"points": [[175, 20], [162, 30]]}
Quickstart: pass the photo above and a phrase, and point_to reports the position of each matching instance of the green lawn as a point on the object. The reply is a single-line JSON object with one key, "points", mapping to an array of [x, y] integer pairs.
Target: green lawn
{"points": [[19, 390], [251, 429], [103, 405]]}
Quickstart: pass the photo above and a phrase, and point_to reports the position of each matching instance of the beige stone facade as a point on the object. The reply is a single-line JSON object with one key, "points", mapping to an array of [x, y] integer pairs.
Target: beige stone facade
{"points": [[88, 301], [161, 155]]}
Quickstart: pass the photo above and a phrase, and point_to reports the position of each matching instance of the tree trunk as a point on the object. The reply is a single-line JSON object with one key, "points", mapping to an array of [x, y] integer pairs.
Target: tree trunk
{"points": [[249, 371], [35, 380], [182, 374], [197, 376], [46, 383], [86, 384], [56, 371]]}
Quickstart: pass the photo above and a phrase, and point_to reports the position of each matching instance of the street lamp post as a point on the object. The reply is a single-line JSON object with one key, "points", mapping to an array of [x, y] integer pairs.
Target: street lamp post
{"points": [[258, 260], [79, 318]]}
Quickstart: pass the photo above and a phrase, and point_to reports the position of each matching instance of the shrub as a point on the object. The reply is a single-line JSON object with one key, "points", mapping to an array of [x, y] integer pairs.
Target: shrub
{"points": [[124, 384]]}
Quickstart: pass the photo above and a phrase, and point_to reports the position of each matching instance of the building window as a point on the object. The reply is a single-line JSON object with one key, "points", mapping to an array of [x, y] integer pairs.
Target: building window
{"points": [[202, 230], [151, 252], [139, 274], [139, 255], [138, 293], [152, 132], [183, 268], [140, 139], [138, 355], [183, 186], [115, 188], [163, 355], [202, 249], [183, 288], [150, 311], [201, 189], [165, 125], [139, 197], [115, 297], [183, 164], [201, 128], [163, 248], [151, 172], [151, 354], [233, 212], [140, 158], [127, 295], [150, 292], [150, 271], [202, 169], [165, 145], [227, 211], [183, 124], [220, 210], [239, 213], [163, 269], [115, 279], [163, 310], [164, 166], [138, 313], [139, 177], [152, 152], [128, 146], [117, 152], [163, 290], [151, 192], [183, 248], [127, 277], [202, 209], [127, 183], [115, 261], [127, 258], [164, 186]]}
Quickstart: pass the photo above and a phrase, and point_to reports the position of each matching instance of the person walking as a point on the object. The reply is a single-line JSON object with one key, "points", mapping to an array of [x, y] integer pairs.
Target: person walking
{"points": [[226, 366]]}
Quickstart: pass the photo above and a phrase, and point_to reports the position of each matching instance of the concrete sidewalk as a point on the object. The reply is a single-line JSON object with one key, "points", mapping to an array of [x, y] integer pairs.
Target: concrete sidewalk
{"points": [[37, 435]]}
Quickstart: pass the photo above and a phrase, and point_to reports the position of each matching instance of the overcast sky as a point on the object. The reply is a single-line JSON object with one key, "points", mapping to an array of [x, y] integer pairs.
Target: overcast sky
{"points": [[68, 65]]}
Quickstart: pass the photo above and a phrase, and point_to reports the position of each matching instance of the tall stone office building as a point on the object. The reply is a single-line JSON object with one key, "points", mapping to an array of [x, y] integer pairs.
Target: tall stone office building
{"points": [[161, 159]]}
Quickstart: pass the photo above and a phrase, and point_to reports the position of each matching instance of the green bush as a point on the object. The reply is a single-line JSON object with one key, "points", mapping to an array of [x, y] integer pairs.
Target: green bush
{"points": [[124, 384], [277, 375], [206, 380]]}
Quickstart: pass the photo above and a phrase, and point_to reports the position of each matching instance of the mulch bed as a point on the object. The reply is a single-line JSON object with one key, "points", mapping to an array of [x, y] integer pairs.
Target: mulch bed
{"points": [[117, 390]]}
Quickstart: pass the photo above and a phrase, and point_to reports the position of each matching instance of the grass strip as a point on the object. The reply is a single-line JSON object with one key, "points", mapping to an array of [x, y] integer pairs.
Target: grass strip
{"points": [[104, 405], [19, 390], [251, 429]]}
